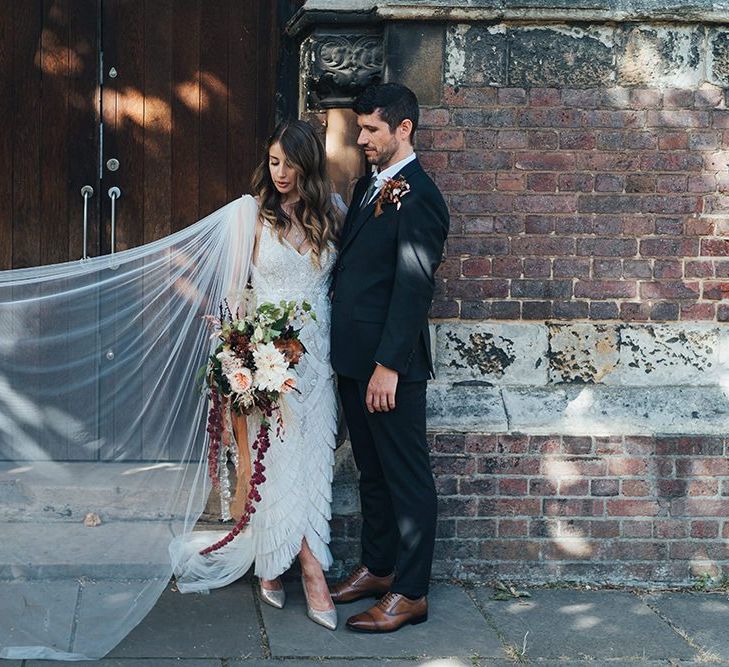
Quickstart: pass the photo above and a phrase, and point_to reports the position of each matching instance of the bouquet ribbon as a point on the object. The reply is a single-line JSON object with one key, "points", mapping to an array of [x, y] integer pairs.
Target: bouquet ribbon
{"points": [[243, 469]]}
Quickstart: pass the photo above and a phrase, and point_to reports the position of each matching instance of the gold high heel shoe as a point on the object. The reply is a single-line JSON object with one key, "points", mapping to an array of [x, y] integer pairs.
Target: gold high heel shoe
{"points": [[327, 619], [274, 598]]}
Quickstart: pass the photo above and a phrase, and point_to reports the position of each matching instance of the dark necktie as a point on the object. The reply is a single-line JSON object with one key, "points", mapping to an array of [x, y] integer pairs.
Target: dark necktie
{"points": [[370, 191]]}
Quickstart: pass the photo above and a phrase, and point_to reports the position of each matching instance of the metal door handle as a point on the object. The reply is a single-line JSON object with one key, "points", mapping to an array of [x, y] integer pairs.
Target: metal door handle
{"points": [[114, 194], [86, 192]]}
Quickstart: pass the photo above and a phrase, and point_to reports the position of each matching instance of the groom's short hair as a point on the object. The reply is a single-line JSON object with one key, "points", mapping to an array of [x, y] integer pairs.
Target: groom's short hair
{"points": [[394, 101]]}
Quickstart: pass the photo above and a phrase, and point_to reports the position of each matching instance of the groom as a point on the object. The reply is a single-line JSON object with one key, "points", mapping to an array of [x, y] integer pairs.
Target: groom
{"points": [[391, 245]]}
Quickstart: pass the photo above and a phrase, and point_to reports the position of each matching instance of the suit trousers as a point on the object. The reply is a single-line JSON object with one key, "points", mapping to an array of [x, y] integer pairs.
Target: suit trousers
{"points": [[397, 490]]}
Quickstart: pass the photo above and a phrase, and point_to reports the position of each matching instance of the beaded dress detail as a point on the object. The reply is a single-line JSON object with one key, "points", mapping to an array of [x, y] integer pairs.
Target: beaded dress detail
{"points": [[296, 496]]}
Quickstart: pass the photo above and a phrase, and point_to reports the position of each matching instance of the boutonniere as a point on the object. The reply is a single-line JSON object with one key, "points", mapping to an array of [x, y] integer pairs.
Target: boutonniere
{"points": [[392, 192]]}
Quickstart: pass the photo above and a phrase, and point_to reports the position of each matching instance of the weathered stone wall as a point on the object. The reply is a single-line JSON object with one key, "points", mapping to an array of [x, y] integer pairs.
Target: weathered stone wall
{"points": [[579, 415]]}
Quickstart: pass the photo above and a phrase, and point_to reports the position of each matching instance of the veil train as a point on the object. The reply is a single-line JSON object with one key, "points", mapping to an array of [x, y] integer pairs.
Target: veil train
{"points": [[102, 431]]}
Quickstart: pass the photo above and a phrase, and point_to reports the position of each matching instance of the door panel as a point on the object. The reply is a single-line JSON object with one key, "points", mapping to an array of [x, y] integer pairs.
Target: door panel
{"points": [[192, 76], [26, 154], [188, 111], [49, 139], [185, 115]]}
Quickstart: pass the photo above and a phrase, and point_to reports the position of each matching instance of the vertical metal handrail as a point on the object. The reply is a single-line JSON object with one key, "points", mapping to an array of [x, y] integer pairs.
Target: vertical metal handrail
{"points": [[114, 194], [86, 192]]}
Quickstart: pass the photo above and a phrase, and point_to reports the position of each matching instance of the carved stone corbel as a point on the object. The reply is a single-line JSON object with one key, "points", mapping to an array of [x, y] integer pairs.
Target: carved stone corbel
{"points": [[338, 65]]}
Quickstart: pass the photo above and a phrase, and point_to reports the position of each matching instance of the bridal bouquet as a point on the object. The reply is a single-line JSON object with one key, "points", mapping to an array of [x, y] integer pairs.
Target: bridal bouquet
{"points": [[250, 369]]}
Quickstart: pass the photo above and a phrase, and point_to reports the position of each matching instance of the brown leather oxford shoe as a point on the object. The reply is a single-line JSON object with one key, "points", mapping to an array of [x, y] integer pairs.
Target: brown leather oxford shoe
{"points": [[390, 614], [360, 584]]}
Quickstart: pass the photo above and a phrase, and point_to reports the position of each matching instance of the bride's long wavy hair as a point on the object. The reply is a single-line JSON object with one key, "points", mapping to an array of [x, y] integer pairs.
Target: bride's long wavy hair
{"points": [[314, 210]]}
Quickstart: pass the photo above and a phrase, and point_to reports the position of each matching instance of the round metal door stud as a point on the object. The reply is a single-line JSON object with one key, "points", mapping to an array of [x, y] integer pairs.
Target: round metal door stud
{"points": [[112, 164], [112, 73]]}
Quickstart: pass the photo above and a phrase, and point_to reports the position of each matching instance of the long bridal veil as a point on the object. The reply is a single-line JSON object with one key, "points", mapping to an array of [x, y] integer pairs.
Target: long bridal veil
{"points": [[102, 431]]}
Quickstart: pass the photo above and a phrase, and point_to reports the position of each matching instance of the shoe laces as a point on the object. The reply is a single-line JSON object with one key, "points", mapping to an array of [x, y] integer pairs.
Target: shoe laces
{"points": [[385, 600]]}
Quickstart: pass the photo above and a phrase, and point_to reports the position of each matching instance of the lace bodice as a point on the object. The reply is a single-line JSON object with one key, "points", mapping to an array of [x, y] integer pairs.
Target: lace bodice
{"points": [[280, 272]]}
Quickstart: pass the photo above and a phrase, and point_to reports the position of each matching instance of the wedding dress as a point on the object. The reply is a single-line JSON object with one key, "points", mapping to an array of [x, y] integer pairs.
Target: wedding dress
{"points": [[296, 496], [102, 425]]}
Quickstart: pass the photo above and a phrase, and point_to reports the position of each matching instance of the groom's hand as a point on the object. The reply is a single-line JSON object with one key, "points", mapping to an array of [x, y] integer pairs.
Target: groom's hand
{"points": [[381, 390]]}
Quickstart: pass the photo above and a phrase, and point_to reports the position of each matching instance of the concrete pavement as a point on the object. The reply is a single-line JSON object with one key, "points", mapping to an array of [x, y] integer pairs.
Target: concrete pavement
{"points": [[555, 626]]}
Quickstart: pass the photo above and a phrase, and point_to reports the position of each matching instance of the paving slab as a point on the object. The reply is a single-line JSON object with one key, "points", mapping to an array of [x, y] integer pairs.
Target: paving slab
{"points": [[36, 605], [598, 663], [584, 624], [365, 662], [455, 628], [703, 616], [115, 606], [131, 662], [220, 624], [10, 663]]}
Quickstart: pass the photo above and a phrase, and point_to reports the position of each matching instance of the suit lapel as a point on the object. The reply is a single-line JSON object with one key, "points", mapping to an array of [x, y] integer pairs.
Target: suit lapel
{"points": [[364, 214], [352, 212], [360, 218]]}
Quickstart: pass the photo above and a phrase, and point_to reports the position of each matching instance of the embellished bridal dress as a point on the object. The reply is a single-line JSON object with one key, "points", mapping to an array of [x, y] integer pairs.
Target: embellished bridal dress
{"points": [[296, 496], [102, 426]]}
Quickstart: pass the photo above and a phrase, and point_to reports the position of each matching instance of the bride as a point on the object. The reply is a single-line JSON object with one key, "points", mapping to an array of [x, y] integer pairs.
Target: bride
{"points": [[296, 219]]}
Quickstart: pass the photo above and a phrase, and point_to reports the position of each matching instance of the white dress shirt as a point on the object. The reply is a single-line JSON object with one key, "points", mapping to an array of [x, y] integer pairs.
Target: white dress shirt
{"points": [[390, 172]]}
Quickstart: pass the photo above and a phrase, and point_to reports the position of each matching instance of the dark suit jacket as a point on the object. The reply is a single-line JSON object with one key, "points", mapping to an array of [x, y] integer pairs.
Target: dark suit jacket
{"points": [[384, 279]]}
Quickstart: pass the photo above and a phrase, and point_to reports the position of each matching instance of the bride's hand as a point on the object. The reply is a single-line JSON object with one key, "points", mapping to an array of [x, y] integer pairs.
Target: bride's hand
{"points": [[381, 390]]}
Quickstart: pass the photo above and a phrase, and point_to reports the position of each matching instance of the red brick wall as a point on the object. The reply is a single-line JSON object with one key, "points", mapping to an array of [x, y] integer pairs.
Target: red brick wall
{"points": [[582, 204], [628, 510]]}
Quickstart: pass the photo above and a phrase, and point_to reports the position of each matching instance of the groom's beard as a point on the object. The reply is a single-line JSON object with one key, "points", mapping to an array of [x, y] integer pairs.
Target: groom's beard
{"points": [[384, 155]]}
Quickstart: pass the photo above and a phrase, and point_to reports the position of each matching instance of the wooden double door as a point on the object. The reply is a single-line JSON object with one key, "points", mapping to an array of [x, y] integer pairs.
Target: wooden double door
{"points": [[169, 101]]}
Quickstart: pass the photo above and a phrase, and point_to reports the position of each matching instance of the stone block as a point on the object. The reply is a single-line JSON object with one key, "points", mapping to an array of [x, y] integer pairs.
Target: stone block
{"points": [[492, 352], [582, 353], [470, 407], [415, 58], [67, 491], [561, 56], [653, 55], [476, 55], [601, 410], [665, 355], [71, 550], [717, 55]]}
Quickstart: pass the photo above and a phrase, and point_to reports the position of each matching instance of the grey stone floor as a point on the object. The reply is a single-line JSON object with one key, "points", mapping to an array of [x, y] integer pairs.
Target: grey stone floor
{"points": [[555, 626]]}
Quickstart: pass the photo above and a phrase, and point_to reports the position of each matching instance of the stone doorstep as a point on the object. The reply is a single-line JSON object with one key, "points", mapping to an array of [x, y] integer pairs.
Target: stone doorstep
{"points": [[62, 550], [67, 491]]}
